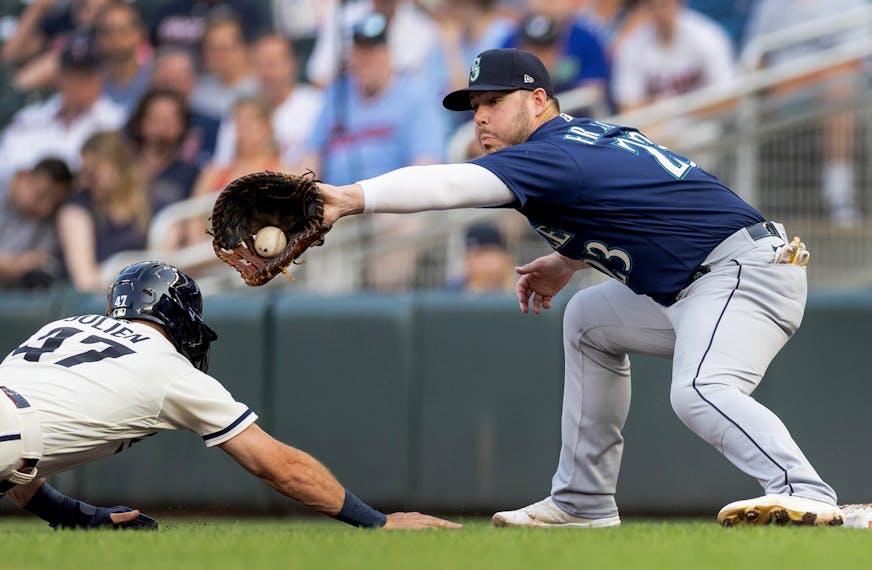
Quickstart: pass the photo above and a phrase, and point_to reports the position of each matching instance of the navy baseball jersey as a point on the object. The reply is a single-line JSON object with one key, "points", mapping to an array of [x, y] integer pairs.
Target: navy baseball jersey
{"points": [[625, 205]]}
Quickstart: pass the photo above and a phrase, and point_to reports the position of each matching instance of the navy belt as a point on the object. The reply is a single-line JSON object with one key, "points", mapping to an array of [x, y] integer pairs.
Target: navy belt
{"points": [[762, 230], [757, 231], [28, 464]]}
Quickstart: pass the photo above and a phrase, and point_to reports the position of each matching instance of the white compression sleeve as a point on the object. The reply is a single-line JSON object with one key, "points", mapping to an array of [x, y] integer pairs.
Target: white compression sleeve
{"points": [[434, 187]]}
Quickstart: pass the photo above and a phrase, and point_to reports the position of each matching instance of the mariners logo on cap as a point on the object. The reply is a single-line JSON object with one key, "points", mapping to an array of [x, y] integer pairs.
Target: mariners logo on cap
{"points": [[475, 70]]}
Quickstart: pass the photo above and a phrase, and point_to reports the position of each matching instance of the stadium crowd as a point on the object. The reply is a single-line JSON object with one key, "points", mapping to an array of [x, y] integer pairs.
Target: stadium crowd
{"points": [[111, 110]]}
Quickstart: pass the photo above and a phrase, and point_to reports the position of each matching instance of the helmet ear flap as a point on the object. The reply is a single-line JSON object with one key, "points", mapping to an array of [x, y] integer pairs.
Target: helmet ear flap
{"points": [[120, 301], [198, 350]]}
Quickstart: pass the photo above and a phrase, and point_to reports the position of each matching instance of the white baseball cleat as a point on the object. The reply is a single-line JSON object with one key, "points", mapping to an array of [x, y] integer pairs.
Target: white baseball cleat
{"points": [[781, 510], [546, 514], [857, 515]]}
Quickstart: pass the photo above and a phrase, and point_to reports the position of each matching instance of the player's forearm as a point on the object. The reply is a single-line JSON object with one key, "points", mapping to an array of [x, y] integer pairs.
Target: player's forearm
{"points": [[310, 483], [417, 189], [300, 476], [305, 479], [434, 187]]}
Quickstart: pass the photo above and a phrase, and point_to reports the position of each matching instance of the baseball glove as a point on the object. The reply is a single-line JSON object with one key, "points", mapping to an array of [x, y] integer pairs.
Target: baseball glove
{"points": [[291, 203]]}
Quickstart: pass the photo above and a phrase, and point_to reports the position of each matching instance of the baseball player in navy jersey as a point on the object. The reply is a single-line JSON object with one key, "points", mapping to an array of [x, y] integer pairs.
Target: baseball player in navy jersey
{"points": [[89, 386], [698, 276]]}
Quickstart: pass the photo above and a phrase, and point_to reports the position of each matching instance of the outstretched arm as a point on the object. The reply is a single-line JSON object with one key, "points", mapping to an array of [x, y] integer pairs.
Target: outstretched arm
{"points": [[417, 189], [298, 475], [58, 510]]}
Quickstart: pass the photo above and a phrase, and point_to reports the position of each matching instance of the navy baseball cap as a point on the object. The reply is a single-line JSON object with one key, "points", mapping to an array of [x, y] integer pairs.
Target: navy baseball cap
{"points": [[501, 70], [538, 30], [481, 235], [80, 56]]}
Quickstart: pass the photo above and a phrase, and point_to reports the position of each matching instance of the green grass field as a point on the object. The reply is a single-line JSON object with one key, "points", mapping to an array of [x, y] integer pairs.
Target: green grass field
{"points": [[218, 543]]}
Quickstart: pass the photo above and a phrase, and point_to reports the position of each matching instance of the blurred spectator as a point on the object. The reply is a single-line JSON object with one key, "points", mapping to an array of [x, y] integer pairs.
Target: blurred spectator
{"points": [[570, 48], [296, 19], [732, 16], [512, 5], [126, 54], [295, 107], [29, 249], [46, 30], [376, 119], [28, 39], [256, 150], [833, 84], [488, 266], [175, 70], [158, 127], [228, 70], [614, 20], [111, 213], [677, 51], [59, 126], [468, 28], [674, 52], [182, 23], [413, 38]]}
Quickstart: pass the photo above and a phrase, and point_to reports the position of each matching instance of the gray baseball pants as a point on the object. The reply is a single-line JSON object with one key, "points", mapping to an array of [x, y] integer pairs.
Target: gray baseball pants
{"points": [[721, 334]]}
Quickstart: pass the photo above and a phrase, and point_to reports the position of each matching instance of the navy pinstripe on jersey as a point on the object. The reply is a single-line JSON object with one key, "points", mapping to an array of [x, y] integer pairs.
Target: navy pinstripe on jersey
{"points": [[609, 196]]}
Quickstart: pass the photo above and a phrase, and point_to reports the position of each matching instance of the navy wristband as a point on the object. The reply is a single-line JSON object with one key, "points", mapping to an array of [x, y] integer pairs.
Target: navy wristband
{"points": [[356, 512]]}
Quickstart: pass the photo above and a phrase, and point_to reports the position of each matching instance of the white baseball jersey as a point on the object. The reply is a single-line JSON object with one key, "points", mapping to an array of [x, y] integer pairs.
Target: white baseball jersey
{"points": [[101, 384], [699, 55]]}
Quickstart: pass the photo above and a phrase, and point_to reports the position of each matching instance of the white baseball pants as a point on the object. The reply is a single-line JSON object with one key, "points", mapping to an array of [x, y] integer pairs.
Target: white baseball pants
{"points": [[20, 439]]}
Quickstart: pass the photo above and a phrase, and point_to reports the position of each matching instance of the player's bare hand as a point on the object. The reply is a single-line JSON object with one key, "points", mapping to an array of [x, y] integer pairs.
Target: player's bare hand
{"points": [[417, 521], [543, 278], [120, 518], [123, 517]]}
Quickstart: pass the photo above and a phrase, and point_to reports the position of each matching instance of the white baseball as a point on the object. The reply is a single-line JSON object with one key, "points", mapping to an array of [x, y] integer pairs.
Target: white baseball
{"points": [[269, 241]]}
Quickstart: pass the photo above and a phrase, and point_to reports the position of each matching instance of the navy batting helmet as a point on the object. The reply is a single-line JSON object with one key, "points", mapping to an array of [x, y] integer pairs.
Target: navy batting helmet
{"points": [[165, 295]]}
